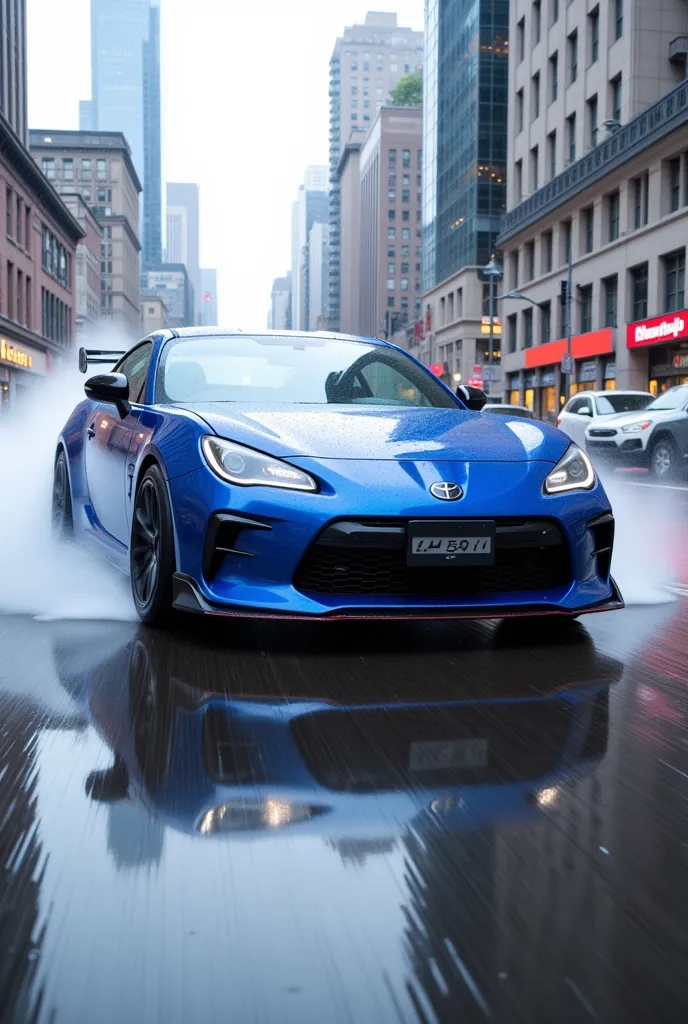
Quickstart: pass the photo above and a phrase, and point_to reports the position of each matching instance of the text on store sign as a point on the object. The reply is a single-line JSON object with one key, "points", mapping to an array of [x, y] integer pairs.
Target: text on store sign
{"points": [[13, 355]]}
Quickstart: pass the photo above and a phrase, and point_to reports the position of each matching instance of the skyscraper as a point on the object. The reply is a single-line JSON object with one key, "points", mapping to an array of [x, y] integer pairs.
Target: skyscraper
{"points": [[13, 66], [366, 63], [311, 206], [125, 84], [183, 244], [465, 90]]}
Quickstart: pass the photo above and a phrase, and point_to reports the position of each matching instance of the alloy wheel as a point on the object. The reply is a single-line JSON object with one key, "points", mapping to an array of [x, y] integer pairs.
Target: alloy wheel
{"points": [[662, 460], [146, 542], [61, 520]]}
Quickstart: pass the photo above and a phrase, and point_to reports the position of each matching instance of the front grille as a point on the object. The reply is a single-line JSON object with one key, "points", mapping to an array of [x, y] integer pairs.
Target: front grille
{"points": [[365, 751], [598, 432], [530, 557]]}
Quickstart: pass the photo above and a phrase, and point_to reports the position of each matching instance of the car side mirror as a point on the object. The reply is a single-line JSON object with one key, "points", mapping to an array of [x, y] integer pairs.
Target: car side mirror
{"points": [[111, 388], [473, 398], [585, 411]]}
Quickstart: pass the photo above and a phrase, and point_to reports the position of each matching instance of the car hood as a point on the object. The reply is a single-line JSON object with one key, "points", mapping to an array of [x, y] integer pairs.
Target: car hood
{"points": [[350, 432], [619, 419]]}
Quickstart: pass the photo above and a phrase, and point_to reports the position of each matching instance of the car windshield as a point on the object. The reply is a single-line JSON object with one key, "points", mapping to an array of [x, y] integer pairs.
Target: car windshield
{"points": [[674, 398], [613, 403], [290, 369]]}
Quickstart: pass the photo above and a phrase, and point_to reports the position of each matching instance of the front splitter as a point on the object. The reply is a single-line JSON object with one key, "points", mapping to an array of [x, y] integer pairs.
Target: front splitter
{"points": [[187, 597]]}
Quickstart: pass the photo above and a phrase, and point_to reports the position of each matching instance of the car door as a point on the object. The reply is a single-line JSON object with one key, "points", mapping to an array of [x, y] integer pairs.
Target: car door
{"points": [[107, 442], [680, 429], [573, 421]]}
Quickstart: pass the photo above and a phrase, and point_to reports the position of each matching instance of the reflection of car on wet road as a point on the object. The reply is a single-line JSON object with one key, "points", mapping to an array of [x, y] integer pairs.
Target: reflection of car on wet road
{"points": [[593, 408], [324, 476], [210, 756], [656, 437]]}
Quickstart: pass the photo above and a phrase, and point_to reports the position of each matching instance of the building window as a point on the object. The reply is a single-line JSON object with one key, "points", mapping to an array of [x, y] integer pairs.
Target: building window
{"points": [[391, 195], [86, 170], [404, 268], [555, 11], [18, 222], [674, 175], [674, 280], [406, 158], [404, 284], [530, 260], [511, 332], [553, 77], [545, 322], [567, 237], [537, 22], [552, 153], [391, 269], [391, 215], [618, 19], [392, 156], [390, 302], [406, 234], [527, 328], [573, 57], [611, 300], [594, 32], [589, 225], [513, 259], [8, 211], [547, 252], [617, 94], [535, 93], [613, 202], [68, 169], [101, 170], [391, 234], [641, 187], [391, 284], [519, 111], [571, 131], [27, 230], [391, 252], [48, 163], [639, 276], [521, 40], [405, 215], [405, 195], [519, 181], [534, 171], [585, 298], [592, 119]]}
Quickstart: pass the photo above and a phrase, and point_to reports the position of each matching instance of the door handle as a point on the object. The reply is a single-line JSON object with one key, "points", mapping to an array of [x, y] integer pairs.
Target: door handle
{"points": [[91, 432]]}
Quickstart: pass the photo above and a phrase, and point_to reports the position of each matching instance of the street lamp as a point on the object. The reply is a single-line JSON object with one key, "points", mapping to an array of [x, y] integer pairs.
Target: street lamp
{"points": [[493, 272]]}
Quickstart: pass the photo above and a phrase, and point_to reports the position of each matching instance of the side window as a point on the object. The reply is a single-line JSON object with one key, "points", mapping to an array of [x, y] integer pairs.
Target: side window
{"points": [[574, 405], [135, 368], [387, 384]]}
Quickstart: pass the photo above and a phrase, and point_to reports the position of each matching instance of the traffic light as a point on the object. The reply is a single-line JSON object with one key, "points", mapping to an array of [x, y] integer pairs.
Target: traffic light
{"points": [[564, 293]]}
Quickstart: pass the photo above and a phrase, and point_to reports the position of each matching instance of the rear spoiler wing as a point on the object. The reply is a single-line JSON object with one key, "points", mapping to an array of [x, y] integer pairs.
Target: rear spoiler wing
{"points": [[98, 357]]}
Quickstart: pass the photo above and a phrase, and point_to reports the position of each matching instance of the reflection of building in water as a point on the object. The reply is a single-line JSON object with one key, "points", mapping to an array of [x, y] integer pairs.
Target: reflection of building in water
{"points": [[21, 855], [517, 919], [134, 838], [357, 851]]}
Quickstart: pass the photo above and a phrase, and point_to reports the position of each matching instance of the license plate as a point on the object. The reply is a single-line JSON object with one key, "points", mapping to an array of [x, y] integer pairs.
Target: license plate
{"points": [[443, 754], [451, 543]]}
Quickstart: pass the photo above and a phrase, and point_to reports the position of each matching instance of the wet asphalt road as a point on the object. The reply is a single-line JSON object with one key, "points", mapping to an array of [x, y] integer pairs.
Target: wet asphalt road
{"points": [[455, 823]]}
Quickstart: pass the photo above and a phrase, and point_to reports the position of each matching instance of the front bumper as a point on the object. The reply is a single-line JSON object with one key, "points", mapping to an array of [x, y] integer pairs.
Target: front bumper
{"points": [[620, 450], [249, 565]]}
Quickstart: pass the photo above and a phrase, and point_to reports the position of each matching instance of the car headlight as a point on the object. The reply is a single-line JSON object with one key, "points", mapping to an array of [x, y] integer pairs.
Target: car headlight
{"points": [[635, 428], [249, 468], [239, 816], [574, 472]]}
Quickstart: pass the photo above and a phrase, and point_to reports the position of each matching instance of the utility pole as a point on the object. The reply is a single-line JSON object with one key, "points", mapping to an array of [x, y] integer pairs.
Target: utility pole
{"points": [[567, 302], [493, 272]]}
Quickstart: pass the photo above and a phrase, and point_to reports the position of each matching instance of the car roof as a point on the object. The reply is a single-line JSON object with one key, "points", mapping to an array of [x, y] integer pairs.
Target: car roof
{"points": [[619, 391], [235, 332]]}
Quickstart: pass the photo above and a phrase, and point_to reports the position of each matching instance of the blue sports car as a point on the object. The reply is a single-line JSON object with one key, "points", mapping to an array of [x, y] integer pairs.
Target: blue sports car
{"points": [[322, 476]]}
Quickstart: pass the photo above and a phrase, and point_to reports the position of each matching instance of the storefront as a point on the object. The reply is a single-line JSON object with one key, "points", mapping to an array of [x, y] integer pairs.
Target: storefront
{"points": [[591, 369], [514, 388], [664, 340], [21, 365]]}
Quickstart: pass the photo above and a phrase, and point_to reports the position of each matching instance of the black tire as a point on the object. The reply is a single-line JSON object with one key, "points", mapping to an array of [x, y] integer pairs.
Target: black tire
{"points": [[62, 521], [151, 551], [664, 459]]}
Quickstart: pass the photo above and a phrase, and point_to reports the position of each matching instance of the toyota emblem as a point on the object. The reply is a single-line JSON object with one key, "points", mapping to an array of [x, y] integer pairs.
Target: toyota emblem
{"points": [[446, 491]]}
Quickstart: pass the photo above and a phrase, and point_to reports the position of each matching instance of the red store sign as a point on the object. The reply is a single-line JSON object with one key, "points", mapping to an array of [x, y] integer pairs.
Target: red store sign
{"points": [[658, 331]]}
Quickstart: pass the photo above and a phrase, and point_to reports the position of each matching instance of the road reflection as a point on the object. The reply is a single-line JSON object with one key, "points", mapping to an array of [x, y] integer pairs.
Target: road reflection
{"points": [[476, 734]]}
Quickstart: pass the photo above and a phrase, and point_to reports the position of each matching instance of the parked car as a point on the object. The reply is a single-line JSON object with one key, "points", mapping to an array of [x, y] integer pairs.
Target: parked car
{"points": [[509, 410], [588, 407], [657, 439]]}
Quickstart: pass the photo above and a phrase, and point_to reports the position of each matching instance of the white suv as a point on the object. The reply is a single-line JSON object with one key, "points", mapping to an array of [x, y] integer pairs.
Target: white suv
{"points": [[656, 437], [589, 407]]}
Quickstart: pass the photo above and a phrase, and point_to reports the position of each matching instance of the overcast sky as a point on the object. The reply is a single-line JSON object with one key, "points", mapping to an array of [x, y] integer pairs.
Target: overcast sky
{"points": [[245, 109]]}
